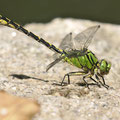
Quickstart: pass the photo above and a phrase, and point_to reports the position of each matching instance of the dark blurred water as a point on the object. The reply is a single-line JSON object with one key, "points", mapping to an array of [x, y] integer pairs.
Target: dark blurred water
{"points": [[26, 11]]}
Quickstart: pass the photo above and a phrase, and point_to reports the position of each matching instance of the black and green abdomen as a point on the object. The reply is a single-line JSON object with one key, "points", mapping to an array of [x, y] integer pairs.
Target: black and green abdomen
{"points": [[88, 60]]}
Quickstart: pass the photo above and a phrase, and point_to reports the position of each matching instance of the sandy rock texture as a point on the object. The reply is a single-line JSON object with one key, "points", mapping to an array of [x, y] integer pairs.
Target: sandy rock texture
{"points": [[23, 63]]}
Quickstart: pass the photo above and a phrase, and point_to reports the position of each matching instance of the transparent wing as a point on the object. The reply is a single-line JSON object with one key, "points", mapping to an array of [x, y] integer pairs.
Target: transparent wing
{"points": [[83, 39], [66, 44], [54, 62]]}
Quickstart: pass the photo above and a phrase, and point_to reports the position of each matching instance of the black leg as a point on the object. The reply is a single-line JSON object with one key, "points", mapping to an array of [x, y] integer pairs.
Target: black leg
{"points": [[87, 85], [68, 79], [95, 82], [103, 84], [78, 73], [64, 79], [107, 86]]}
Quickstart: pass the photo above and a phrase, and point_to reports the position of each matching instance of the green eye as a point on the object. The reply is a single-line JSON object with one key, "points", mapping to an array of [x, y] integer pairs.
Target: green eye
{"points": [[108, 67], [103, 65]]}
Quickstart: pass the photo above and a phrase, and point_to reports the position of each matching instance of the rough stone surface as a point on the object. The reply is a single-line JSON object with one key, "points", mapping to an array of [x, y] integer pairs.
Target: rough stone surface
{"points": [[23, 62]]}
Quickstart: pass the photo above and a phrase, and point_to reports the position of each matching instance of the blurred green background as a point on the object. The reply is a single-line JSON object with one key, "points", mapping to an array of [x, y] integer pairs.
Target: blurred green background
{"points": [[27, 11]]}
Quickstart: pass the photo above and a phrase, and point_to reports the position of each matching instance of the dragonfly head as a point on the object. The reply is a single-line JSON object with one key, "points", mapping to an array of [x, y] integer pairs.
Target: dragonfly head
{"points": [[104, 67]]}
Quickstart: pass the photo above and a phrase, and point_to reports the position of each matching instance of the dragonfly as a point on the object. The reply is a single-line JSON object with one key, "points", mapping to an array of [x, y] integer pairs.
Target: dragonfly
{"points": [[74, 51]]}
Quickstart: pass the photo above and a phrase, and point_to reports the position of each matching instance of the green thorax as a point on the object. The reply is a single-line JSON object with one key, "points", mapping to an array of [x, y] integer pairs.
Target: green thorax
{"points": [[84, 60]]}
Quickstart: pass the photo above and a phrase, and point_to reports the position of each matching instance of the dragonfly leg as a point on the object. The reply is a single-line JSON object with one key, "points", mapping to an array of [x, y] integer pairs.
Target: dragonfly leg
{"points": [[66, 75], [95, 81], [88, 76], [78, 73], [85, 82], [103, 84]]}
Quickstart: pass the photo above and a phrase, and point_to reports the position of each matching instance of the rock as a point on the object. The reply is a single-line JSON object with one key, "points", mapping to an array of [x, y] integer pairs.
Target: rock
{"points": [[23, 62]]}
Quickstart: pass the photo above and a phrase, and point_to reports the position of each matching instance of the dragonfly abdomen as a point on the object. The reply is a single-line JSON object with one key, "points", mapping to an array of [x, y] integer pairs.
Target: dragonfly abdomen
{"points": [[7, 22]]}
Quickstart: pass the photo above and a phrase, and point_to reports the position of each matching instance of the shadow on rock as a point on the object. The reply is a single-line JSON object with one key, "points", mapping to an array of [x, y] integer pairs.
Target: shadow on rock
{"points": [[21, 76], [83, 84], [79, 84]]}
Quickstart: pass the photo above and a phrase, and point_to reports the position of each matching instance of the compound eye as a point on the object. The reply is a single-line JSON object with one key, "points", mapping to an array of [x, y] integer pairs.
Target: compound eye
{"points": [[108, 67], [103, 66]]}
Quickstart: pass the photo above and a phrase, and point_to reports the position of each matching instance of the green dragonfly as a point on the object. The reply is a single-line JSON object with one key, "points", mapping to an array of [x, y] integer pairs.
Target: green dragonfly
{"points": [[73, 51]]}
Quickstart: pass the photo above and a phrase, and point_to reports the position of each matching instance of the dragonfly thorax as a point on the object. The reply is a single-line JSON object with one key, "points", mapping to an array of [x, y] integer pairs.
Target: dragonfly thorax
{"points": [[81, 59]]}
